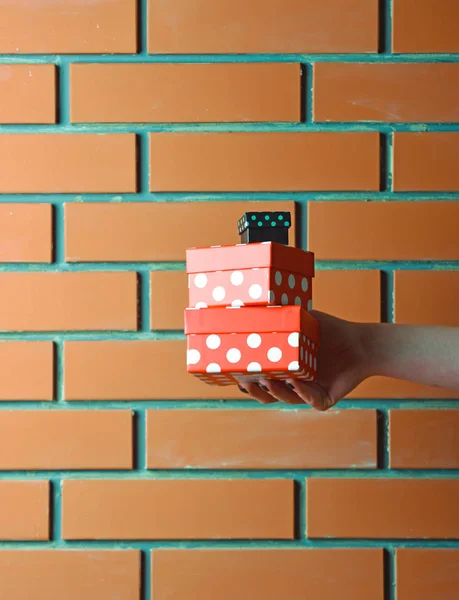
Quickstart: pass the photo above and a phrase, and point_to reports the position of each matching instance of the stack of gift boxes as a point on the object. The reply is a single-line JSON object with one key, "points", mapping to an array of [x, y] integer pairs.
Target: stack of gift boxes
{"points": [[248, 317]]}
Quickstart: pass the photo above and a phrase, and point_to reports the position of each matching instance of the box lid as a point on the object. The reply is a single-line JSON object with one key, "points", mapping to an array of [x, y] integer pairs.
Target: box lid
{"points": [[251, 319], [249, 256]]}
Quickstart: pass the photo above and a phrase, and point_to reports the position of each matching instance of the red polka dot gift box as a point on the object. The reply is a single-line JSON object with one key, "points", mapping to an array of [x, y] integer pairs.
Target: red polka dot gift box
{"points": [[264, 274], [228, 345]]}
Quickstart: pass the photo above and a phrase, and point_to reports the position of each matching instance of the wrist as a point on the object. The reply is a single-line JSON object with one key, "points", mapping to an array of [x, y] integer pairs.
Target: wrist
{"points": [[372, 343]]}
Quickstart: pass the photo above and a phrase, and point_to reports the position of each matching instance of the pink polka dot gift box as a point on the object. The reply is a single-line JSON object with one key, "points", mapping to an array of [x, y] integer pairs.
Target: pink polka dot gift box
{"points": [[228, 345], [253, 274]]}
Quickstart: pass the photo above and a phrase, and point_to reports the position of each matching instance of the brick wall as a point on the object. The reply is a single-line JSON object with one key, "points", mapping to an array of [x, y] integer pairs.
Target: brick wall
{"points": [[129, 132]]}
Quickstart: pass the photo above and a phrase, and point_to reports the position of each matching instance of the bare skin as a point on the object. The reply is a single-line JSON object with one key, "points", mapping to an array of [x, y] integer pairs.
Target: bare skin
{"points": [[351, 352]]}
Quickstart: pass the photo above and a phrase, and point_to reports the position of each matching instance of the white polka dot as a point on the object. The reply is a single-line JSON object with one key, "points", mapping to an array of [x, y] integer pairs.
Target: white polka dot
{"points": [[254, 367], [213, 342], [213, 368], [304, 284], [219, 293], [294, 339], [301, 353], [315, 364], [201, 305], [271, 297], [304, 338], [312, 345], [255, 291], [294, 366], [291, 281], [278, 278], [309, 343], [284, 299], [237, 303], [237, 278], [254, 340], [200, 280], [298, 301], [274, 354], [309, 304], [310, 360], [192, 357], [306, 356], [233, 355]]}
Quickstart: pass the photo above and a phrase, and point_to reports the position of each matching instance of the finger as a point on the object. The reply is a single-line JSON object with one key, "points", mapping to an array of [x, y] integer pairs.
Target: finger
{"points": [[312, 393], [254, 390], [281, 392]]}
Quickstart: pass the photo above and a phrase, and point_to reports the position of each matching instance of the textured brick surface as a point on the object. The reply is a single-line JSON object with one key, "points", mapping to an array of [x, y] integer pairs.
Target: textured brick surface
{"points": [[68, 26], [382, 508], [361, 231], [427, 297], [426, 162], [25, 510], [424, 439], [70, 574], [269, 26], [265, 162], [28, 93], [213, 92], [66, 163], [156, 510], [386, 92], [27, 370], [25, 233], [349, 574], [55, 301], [45, 440], [423, 574], [221, 439], [425, 26]]}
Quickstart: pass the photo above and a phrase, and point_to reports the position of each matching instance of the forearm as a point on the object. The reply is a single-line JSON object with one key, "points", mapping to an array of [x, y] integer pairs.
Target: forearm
{"points": [[428, 355]]}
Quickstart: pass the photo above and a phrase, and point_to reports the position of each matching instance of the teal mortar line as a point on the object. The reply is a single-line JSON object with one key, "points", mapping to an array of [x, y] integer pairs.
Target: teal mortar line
{"points": [[56, 508], [228, 58]]}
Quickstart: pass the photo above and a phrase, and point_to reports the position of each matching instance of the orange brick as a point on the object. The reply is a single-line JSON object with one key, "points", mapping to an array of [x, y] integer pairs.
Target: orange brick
{"points": [[134, 370], [223, 439], [60, 301], [27, 370], [394, 92], [123, 232], [382, 508], [70, 574], [424, 439], [28, 93], [424, 574], [68, 27], [110, 93], [384, 230], [425, 26], [351, 295], [25, 233], [264, 161], [427, 297], [426, 162], [178, 509], [270, 26], [66, 163], [347, 574], [24, 511], [396, 389], [66, 439]]}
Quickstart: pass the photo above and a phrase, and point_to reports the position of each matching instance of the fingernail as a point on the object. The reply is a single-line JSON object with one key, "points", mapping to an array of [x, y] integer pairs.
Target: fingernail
{"points": [[290, 385], [243, 390], [263, 387]]}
